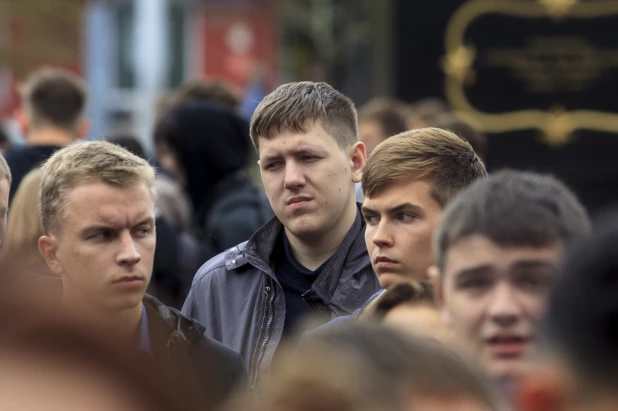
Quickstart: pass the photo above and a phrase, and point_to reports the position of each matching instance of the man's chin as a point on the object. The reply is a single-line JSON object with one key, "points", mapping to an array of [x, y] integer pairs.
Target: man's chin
{"points": [[508, 370], [388, 279]]}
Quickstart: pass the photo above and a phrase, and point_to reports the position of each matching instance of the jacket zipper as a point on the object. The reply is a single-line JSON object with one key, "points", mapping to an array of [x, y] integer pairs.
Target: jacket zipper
{"points": [[271, 318]]}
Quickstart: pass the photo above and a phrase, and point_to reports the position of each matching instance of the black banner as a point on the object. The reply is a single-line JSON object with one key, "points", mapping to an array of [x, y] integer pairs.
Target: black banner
{"points": [[539, 76]]}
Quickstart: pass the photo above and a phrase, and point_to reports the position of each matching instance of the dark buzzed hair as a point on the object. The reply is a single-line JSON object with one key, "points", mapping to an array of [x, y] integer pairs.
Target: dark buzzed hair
{"points": [[56, 97], [581, 322], [512, 208], [294, 106]]}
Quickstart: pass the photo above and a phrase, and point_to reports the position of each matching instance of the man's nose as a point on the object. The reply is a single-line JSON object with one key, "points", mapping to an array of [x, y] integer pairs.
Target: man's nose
{"points": [[128, 254]]}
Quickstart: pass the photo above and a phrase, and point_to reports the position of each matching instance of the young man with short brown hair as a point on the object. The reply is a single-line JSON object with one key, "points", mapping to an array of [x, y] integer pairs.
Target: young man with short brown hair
{"points": [[311, 258], [50, 116]]}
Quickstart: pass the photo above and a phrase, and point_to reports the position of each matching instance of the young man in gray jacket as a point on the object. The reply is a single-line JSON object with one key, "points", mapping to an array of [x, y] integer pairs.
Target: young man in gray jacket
{"points": [[311, 258]]}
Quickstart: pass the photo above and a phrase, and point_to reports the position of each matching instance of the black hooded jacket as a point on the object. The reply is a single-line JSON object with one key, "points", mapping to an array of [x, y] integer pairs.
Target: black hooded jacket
{"points": [[212, 145]]}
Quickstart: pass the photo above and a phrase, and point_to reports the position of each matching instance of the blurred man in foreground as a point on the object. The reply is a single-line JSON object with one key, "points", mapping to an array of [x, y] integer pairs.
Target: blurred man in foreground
{"points": [[498, 247], [97, 213]]}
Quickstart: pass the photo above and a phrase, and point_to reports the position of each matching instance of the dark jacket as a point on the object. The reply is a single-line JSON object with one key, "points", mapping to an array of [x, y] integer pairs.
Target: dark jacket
{"points": [[200, 366], [237, 295]]}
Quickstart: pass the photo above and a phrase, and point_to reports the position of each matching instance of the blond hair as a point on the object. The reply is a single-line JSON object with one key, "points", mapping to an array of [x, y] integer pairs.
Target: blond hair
{"points": [[294, 106], [82, 162], [447, 161], [24, 225], [5, 171]]}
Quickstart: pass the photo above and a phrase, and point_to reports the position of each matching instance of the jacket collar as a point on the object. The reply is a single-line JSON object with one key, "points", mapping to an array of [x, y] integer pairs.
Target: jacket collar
{"points": [[170, 319], [257, 251]]}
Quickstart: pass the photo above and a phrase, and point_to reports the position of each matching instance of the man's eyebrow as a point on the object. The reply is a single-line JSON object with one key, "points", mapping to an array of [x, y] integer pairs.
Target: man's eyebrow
{"points": [[366, 209], [481, 269], [404, 206], [535, 264]]}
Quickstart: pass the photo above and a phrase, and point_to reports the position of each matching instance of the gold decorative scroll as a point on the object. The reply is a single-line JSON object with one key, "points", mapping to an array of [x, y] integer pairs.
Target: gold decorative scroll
{"points": [[556, 123]]}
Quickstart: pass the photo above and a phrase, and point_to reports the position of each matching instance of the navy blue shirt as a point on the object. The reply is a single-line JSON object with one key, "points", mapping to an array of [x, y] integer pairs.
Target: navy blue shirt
{"points": [[296, 280]]}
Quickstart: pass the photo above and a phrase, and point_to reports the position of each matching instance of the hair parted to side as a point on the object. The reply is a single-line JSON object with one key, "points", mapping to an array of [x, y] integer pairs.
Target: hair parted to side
{"points": [[56, 97], [447, 161], [5, 171], [513, 208], [295, 106], [87, 161]]}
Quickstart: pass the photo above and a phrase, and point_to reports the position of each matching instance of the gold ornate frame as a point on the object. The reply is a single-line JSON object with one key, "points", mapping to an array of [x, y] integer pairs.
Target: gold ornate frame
{"points": [[556, 124]]}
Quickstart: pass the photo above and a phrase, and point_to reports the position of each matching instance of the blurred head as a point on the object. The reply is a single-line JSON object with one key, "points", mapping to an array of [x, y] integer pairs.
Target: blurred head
{"points": [[579, 366], [409, 306], [55, 99], [213, 90], [97, 213], [60, 366], [310, 158], [201, 143], [24, 227], [497, 247], [5, 186], [378, 120], [375, 368], [465, 128], [406, 182]]}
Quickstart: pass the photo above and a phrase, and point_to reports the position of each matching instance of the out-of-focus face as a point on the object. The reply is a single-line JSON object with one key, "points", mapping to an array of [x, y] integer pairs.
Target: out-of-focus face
{"points": [[494, 298], [104, 247], [310, 181], [400, 222], [370, 132], [4, 207]]}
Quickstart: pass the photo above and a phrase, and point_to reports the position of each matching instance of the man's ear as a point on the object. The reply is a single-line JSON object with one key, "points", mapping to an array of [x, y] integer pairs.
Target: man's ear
{"points": [[435, 277], [83, 129], [358, 157], [22, 121], [48, 249]]}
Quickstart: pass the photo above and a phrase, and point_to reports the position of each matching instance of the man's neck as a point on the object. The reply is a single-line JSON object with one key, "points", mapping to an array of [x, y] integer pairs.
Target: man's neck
{"points": [[120, 325], [312, 253], [49, 137]]}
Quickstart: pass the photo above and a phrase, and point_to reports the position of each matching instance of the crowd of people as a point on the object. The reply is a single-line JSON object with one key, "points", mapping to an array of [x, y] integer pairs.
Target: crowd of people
{"points": [[380, 268]]}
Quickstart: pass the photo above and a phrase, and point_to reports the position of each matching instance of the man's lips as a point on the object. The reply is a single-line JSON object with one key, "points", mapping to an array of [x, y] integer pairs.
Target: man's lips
{"points": [[507, 346], [384, 263], [297, 202], [130, 280]]}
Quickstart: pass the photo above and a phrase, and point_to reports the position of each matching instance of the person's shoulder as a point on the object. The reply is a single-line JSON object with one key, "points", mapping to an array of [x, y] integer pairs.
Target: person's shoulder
{"points": [[220, 264]]}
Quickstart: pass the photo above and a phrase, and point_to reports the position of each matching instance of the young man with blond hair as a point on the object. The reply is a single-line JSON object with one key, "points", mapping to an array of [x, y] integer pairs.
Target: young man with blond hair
{"points": [[5, 187], [97, 213], [311, 258], [50, 117]]}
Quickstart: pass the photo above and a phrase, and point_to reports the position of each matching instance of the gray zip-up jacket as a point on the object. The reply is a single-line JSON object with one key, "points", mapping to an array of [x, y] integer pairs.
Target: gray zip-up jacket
{"points": [[237, 297]]}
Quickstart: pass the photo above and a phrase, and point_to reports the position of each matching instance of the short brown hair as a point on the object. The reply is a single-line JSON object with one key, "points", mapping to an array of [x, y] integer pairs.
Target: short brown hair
{"points": [[213, 90], [53, 96], [5, 171], [447, 161], [83, 162], [513, 209], [294, 106], [465, 128]]}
